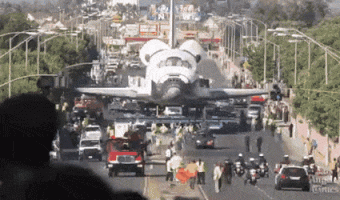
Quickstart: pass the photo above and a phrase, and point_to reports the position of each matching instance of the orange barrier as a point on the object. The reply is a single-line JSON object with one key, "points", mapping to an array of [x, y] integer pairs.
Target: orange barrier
{"points": [[184, 175]]}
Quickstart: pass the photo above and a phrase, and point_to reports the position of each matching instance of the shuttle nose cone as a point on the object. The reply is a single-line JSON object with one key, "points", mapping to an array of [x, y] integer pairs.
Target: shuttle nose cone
{"points": [[172, 93]]}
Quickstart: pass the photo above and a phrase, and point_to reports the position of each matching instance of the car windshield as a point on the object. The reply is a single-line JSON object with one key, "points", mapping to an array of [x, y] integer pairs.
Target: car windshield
{"points": [[294, 172], [89, 143], [88, 129], [255, 108]]}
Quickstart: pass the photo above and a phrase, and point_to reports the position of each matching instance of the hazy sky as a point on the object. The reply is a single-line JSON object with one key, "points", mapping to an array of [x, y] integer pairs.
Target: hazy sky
{"points": [[31, 1]]}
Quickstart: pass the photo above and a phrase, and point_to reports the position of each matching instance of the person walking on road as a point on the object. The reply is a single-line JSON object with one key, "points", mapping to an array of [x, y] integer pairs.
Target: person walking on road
{"points": [[227, 170], [192, 168], [247, 141], [176, 161], [217, 176], [200, 172], [291, 130], [168, 154], [169, 174], [259, 143], [334, 168]]}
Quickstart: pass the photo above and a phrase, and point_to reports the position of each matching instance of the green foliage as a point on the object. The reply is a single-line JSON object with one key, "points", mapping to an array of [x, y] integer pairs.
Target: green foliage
{"points": [[60, 52], [314, 100], [309, 12]]}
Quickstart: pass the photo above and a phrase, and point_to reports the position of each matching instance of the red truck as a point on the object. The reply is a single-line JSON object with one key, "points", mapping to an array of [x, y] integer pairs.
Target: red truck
{"points": [[126, 153], [123, 156], [93, 106]]}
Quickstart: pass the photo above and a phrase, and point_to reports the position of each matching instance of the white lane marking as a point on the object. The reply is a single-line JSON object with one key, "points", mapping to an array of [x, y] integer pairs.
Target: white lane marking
{"points": [[145, 186], [264, 192], [203, 193]]}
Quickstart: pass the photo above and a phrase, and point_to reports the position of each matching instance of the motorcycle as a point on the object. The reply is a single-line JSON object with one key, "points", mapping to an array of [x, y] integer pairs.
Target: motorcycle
{"points": [[239, 170], [263, 170], [252, 177], [312, 169]]}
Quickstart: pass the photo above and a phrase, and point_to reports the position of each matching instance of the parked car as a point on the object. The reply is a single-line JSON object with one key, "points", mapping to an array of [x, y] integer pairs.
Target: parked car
{"points": [[292, 177]]}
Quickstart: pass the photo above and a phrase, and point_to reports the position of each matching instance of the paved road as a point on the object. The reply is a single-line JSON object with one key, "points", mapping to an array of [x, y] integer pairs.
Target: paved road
{"points": [[273, 148]]}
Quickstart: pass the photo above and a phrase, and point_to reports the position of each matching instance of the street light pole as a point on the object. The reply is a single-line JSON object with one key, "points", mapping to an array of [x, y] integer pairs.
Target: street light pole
{"points": [[278, 64], [38, 54], [26, 61], [234, 46], [326, 66], [265, 54], [295, 63], [10, 67]]}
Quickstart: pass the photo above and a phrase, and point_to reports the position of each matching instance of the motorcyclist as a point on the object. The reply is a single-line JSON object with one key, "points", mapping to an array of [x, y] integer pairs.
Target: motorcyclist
{"points": [[227, 172], [311, 164], [262, 159], [252, 165], [311, 159], [241, 160], [286, 160], [305, 161]]}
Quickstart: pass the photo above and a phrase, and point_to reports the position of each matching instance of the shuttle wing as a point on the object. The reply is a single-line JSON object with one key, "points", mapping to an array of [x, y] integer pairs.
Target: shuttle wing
{"points": [[111, 91], [225, 93]]}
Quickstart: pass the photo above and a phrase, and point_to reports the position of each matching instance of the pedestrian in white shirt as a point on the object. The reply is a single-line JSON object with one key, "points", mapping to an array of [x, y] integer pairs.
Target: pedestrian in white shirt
{"points": [[176, 161], [169, 174], [168, 154], [200, 172], [217, 176], [172, 147]]}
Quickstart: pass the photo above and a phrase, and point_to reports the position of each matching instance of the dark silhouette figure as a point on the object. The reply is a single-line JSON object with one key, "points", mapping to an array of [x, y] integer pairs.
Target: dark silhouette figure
{"points": [[247, 141], [28, 124], [259, 143], [243, 121], [228, 170], [335, 170], [291, 130]]}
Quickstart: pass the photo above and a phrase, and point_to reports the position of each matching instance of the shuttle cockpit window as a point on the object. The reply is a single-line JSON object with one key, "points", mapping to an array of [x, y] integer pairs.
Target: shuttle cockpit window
{"points": [[174, 62]]}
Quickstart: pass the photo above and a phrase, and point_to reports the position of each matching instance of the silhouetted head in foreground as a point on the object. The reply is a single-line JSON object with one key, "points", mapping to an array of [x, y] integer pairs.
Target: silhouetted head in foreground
{"points": [[28, 124]]}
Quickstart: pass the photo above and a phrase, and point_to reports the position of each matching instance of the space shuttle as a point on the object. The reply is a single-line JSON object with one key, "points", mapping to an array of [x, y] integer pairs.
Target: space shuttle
{"points": [[171, 76]]}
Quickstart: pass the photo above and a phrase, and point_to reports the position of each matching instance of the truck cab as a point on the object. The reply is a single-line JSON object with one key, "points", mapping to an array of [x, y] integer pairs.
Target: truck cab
{"points": [[124, 156]]}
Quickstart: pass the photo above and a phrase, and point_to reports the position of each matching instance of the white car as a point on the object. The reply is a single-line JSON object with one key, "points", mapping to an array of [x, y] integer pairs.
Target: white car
{"points": [[90, 148], [254, 111]]}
